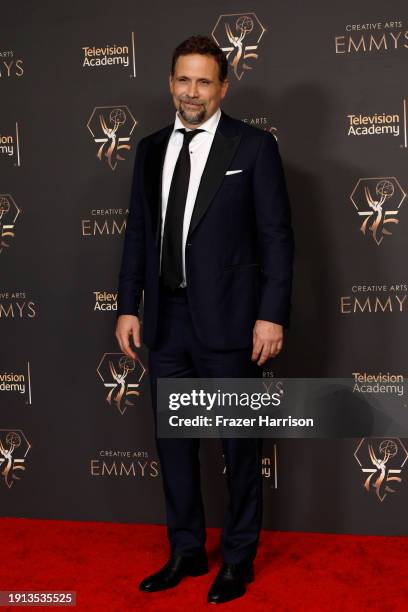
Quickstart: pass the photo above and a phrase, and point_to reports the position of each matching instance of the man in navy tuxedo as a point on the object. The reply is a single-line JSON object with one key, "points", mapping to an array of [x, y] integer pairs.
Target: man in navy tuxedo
{"points": [[209, 242]]}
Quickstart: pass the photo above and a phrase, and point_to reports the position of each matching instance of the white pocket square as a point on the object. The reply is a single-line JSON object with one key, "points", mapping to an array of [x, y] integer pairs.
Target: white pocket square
{"points": [[232, 172]]}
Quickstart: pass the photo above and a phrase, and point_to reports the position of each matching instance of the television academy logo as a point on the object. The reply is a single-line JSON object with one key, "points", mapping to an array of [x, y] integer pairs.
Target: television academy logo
{"points": [[17, 382], [14, 448], [121, 376], [378, 200], [110, 55], [239, 36], [380, 124], [269, 468], [379, 383], [10, 145], [111, 128], [382, 459], [9, 211], [105, 300]]}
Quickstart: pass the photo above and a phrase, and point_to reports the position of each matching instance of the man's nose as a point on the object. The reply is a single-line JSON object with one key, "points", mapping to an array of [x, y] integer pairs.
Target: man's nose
{"points": [[193, 90]]}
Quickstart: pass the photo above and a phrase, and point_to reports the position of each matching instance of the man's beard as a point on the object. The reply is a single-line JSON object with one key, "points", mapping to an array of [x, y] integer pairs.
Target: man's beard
{"points": [[192, 117]]}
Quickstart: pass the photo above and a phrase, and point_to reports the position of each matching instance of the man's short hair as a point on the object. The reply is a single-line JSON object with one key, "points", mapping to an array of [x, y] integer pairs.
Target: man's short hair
{"points": [[204, 45]]}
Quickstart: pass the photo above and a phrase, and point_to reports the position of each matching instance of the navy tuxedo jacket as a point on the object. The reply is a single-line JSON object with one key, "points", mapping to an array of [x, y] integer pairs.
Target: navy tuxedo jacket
{"points": [[239, 247]]}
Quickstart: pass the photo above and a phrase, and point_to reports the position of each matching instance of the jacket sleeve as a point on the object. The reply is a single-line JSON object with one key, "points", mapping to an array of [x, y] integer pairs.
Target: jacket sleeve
{"points": [[132, 269], [274, 231]]}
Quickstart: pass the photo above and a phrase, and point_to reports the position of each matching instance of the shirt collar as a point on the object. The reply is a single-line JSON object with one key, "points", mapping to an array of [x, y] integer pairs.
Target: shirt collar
{"points": [[209, 126]]}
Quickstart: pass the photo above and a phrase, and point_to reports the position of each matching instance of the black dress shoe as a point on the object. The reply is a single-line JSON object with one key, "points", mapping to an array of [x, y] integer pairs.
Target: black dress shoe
{"points": [[176, 568], [230, 581]]}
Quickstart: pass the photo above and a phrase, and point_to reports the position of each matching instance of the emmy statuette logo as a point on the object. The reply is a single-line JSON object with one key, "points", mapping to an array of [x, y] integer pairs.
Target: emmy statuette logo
{"points": [[14, 448], [111, 128], [378, 200], [9, 211], [382, 459], [239, 36], [121, 376]]}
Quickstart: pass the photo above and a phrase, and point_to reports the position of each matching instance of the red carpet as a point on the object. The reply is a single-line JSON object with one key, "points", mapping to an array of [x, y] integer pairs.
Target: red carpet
{"points": [[103, 563]]}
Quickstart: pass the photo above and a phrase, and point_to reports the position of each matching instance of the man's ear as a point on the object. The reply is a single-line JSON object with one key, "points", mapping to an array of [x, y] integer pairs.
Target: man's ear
{"points": [[224, 90], [171, 83]]}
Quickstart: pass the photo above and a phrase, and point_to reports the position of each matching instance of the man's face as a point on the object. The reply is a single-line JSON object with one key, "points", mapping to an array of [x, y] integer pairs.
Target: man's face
{"points": [[196, 88]]}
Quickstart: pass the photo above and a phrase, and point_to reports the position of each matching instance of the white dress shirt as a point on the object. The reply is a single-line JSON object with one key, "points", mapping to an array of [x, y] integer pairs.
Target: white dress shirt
{"points": [[199, 149]]}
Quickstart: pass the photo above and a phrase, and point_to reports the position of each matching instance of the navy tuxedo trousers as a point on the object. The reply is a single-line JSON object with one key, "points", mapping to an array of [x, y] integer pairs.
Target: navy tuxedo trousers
{"points": [[179, 353]]}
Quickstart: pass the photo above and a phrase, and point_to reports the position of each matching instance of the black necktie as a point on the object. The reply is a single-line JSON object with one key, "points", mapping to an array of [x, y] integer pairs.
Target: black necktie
{"points": [[172, 248]]}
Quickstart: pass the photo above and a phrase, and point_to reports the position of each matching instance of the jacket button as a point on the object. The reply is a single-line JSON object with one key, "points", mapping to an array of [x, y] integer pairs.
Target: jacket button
{"points": [[188, 243]]}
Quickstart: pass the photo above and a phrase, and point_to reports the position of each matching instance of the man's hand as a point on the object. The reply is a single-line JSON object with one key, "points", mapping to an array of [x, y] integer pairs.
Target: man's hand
{"points": [[267, 340], [126, 326]]}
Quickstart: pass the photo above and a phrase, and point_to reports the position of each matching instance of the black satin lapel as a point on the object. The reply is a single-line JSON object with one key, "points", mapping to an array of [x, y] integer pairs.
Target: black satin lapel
{"points": [[219, 159], [153, 181]]}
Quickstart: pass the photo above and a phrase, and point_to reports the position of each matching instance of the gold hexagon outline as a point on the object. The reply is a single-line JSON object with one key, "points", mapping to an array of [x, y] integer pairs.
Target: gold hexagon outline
{"points": [[8, 195], [116, 353], [238, 15], [386, 438], [29, 446], [375, 178], [114, 106]]}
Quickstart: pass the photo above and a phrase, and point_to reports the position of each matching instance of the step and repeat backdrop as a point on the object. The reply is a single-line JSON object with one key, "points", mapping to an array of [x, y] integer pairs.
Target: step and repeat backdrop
{"points": [[81, 84]]}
